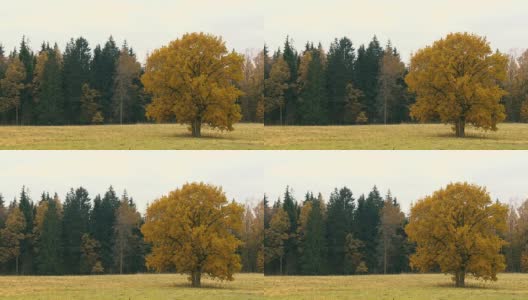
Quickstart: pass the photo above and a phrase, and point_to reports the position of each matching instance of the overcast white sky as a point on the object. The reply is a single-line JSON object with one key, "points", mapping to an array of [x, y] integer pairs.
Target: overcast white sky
{"points": [[410, 24], [145, 24], [247, 24], [247, 175]]}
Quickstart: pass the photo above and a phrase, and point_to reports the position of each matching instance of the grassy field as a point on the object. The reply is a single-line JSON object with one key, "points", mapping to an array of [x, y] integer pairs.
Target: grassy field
{"points": [[255, 286], [141, 286], [399, 137], [255, 136], [128, 137], [407, 286]]}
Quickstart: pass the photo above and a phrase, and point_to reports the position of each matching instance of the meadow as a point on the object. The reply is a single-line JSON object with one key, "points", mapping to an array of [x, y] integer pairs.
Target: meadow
{"points": [[394, 137], [139, 286], [402, 286], [256, 286], [257, 136], [128, 137]]}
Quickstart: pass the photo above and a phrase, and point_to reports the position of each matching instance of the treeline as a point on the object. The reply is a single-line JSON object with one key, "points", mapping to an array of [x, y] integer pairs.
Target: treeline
{"points": [[364, 235], [81, 86], [516, 102], [516, 251], [349, 86], [345, 236], [341, 86], [85, 236]]}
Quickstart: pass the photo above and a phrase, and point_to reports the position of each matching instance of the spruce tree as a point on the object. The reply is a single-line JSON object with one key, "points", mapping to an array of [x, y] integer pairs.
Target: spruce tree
{"points": [[27, 58], [76, 72], [291, 208], [103, 70], [75, 223], [49, 243], [366, 225], [27, 207], [366, 76], [313, 258], [3, 62], [102, 226], [48, 89], [291, 57], [339, 73], [340, 214], [3, 212], [312, 87]]}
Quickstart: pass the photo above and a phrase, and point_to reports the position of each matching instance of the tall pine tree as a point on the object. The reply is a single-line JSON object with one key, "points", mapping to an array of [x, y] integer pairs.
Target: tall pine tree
{"points": [[313, 258], [27, 207], [76, 72], [27, 58], [312, 87], [75, 222], [339, 73], [340, 214], [103, 68]]}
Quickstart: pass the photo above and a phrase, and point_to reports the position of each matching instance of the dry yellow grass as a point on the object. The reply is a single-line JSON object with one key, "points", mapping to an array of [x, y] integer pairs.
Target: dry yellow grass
{"points": [[257, 136], [128, 137], [140, 286], [256, 286], [399, 137], [403, 286]]}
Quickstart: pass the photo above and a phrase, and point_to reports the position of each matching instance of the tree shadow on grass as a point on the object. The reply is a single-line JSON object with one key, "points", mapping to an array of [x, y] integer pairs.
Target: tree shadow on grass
{"points": [[469, 136], [205, 286], [207, 136], [469, 286]]}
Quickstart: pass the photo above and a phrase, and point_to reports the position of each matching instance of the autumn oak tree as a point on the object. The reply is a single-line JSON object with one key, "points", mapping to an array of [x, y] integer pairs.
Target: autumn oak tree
{"points": [[457, 81], [192, 230], [193, 80], [457, 230]]}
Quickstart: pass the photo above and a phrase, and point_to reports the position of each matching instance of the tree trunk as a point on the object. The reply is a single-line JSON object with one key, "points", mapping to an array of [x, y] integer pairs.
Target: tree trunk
{"points": [[460, 278], [196, 278], [16, 123], [280, 114], [280, 267], [121, 111], [197, 128], [16, 262], [121, 260], [385, 258], [385, 111], [460, 127]]}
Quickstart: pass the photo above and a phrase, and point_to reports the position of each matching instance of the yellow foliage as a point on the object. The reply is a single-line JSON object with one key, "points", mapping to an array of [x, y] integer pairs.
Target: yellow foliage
{"points": [[12, 85], [362, 118], [457, 81], [275, 86], [457, 229], [98, 118], [192, 230], [276, 235], [11, 235], [98, 268], [192, 79], [524, 111], [362, 268]]}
